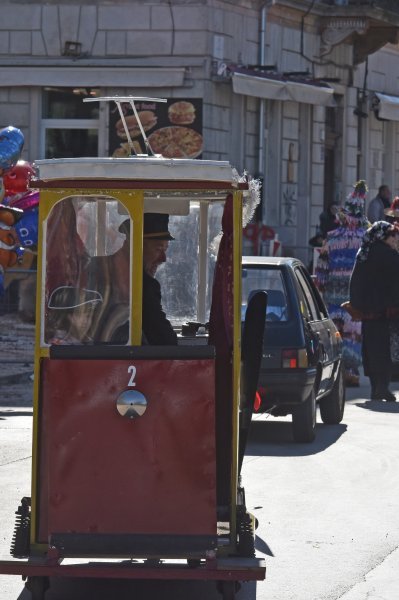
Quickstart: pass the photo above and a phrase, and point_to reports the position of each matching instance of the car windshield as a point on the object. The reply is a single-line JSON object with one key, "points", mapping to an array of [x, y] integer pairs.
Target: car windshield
{"points": [[271, 281]]}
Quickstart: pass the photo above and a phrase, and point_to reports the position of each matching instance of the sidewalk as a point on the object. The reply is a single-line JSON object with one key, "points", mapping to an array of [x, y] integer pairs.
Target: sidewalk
{"points": [[382, 583]]}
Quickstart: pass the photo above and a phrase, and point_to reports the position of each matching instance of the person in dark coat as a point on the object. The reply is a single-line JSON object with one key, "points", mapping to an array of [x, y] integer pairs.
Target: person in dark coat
{"points": [[375, 211], [328, 219], [157, 329], [374, 293]]}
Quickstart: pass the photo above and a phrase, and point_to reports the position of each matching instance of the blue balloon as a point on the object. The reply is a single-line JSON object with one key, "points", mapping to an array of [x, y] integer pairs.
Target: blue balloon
{"points": [[11, 144], [27, 227], [13, 134]]}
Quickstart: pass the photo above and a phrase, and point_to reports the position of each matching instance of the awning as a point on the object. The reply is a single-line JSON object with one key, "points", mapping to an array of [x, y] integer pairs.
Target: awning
{"points": [[92, 76], [261, 86], [387, 107]]}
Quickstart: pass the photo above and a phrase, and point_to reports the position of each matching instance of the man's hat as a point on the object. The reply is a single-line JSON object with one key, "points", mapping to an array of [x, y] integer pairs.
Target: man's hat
{"points": [[156, 227], [393, 210], [124, 227]]}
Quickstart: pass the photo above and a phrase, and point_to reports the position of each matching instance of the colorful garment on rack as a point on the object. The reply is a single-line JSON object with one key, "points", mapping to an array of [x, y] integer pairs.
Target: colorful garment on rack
{"points": [[333, 271]]}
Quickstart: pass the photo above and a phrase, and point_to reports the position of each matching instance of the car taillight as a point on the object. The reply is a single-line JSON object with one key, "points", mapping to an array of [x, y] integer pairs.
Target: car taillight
{"points": [[292, 358], [289, 359], [257, 402]]}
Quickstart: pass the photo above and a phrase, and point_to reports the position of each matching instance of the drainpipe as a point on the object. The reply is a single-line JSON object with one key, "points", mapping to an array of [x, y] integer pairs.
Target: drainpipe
{"points": [[262, 101]]}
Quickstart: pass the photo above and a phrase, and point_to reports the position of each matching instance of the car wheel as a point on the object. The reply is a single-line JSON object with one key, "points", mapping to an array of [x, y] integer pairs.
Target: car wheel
{"points": [[304, 420], [332, 406]]}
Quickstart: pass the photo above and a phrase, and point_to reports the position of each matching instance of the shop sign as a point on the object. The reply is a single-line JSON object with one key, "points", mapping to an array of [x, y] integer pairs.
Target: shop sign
{"points": [[173, 129]]}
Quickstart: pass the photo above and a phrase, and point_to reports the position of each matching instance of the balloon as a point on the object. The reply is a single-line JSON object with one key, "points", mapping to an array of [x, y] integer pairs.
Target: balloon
{"points": [[14, 135], [17, 179], [27, 227], [8, 240], [11, 144], [27, 201], [9, 216]]}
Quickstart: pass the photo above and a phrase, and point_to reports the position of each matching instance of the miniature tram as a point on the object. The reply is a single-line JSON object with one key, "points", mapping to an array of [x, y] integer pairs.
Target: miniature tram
{"points": [[138, 448]]}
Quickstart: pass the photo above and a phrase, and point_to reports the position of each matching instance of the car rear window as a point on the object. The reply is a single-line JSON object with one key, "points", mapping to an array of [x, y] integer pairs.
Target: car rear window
{"points": [[271, 281]]}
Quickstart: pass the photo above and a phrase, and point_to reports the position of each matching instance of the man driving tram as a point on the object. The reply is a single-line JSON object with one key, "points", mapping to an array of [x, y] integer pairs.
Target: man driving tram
{"points": [[157, 329]]}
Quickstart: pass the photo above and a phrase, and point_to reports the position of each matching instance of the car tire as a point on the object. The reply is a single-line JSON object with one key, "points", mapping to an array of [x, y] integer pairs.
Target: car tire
{"points": [[304, 420], [332, 406]]}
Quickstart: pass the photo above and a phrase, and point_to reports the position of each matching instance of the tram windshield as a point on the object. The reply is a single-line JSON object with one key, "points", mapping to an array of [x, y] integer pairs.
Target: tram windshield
{"points": [[87, 269]]}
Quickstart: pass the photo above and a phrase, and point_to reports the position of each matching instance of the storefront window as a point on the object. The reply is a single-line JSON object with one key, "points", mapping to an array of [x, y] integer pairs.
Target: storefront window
{"points": [[69, 143], [69, 125]]}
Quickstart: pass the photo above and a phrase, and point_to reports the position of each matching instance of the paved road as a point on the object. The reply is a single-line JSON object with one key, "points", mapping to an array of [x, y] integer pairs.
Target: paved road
{"points": [[328, 511]]}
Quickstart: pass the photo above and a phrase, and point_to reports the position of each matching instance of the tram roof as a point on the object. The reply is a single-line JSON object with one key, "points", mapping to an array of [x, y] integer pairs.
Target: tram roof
{"points": [[136, 169]]}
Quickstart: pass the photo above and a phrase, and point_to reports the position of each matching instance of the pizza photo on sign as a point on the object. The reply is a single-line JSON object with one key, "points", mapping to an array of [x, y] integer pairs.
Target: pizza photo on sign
{"points": [[176, 142], [148, 121]]}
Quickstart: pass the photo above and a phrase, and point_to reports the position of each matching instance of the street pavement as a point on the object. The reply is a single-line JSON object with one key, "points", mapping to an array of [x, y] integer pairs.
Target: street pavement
{"points": [[330, 509], [327, 511]]}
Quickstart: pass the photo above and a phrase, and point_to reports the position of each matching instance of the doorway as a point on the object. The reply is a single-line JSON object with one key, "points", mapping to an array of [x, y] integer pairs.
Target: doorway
{"points": [[333, 156]]}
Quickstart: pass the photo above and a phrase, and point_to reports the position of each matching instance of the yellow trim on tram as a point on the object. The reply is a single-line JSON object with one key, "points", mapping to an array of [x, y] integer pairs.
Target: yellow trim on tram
{"points": [[237, 254]]}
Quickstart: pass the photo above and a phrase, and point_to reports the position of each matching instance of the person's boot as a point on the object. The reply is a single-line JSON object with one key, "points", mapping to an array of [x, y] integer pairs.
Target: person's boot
{"points": [[383, 393], [373, 385]]}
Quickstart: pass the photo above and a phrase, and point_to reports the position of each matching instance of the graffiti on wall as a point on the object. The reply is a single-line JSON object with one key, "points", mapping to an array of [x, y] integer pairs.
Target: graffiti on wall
{"points": [[289, 207]]}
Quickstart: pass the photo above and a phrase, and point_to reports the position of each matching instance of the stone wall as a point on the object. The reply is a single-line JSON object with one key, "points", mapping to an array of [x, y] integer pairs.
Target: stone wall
{"points": [[141, 34]]}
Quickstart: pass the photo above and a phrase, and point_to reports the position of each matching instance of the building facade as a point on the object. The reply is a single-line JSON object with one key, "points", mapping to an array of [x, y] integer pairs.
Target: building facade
{"points": [[302, 93]]}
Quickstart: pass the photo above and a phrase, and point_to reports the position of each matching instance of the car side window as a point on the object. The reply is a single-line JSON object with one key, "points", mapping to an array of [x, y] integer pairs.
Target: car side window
{"points": [[303, 305], [318, 299], [308, 294]]}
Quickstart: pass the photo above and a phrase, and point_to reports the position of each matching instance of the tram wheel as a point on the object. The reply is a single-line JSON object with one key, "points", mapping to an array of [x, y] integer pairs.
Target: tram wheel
{"points": [[37, 587]]}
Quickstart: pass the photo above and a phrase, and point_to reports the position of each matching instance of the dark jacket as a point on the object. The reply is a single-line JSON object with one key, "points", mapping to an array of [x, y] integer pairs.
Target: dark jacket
{"points": [[328, 222], [156, 327], [374, 283]]}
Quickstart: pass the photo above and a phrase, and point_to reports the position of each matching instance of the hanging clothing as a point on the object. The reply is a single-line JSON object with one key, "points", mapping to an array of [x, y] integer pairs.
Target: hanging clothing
{"points": [[333, 271]]}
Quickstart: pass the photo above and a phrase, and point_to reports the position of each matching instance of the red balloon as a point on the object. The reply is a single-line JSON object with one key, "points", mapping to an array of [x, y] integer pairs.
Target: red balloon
{"points": [[17, 180]]}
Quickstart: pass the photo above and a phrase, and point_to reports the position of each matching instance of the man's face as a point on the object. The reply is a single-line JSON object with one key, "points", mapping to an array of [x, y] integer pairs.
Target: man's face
{"points": [[386, 193], [333, 209], [154, 254]]}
